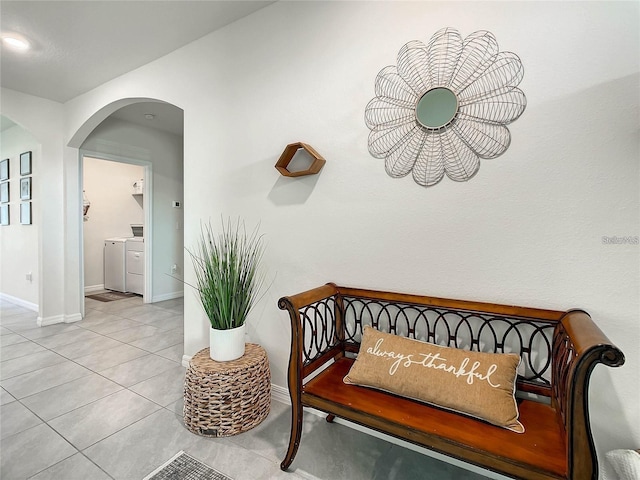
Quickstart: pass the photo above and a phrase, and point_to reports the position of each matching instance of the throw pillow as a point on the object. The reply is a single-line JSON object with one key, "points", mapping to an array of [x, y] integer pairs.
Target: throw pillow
{"points": [[478, 384]]}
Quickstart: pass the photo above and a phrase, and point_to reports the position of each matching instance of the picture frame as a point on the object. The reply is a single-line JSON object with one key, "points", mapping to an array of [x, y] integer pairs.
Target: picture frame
{"points": [[25, 188], [4, 192], [4, 214], [25, 213], [25, 163], [4, 169]]}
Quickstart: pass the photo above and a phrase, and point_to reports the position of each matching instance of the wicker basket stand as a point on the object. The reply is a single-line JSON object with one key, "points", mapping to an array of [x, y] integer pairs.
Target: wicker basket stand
{"points": [[227, 398]]}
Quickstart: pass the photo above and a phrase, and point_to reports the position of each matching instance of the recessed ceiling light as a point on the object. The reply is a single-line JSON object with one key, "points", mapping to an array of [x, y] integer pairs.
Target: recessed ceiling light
{"points": [[16, 42]]}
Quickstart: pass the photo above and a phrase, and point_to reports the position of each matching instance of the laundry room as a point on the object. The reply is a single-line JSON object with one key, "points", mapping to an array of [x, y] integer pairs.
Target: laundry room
{"points": [[113, 214]]}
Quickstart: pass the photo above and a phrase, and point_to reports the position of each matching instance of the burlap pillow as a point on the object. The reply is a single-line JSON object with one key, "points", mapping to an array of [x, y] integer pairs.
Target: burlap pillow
{"points": [[478, 384]]}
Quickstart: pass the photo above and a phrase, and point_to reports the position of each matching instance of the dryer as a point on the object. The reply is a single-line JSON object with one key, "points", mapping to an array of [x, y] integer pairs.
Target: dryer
{"points": [[135, 265]]}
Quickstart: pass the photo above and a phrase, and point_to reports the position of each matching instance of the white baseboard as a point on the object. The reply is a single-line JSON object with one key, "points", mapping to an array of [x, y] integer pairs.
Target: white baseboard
{"points": [[280, 394], [186, 359], [52, 320], [41, 321], [167, 296], [76, 317], [93, 288], [20, 302]]}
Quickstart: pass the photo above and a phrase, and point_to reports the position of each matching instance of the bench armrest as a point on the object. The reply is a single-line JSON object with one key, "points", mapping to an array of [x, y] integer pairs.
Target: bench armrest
{"points": [[579, 345], [307, 298], [586, 336]]}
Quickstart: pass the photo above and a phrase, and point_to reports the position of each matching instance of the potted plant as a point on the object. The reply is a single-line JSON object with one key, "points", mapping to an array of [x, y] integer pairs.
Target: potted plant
{"points": [[228, 281]]}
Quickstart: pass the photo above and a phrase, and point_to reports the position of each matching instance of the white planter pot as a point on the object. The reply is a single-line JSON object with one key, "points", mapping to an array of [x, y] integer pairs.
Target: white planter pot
{"points": [[226, 345]]}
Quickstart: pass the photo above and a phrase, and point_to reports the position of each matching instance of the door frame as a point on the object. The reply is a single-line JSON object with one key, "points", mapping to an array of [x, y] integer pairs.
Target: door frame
{"points": [[147, 205]]}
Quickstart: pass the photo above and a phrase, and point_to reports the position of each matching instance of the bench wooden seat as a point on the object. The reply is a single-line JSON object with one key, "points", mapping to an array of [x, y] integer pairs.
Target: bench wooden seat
{"points": [[543, 441], [558, 350]]}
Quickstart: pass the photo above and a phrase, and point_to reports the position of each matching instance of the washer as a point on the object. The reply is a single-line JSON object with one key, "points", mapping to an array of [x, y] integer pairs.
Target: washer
{"points": [[114, 264]]}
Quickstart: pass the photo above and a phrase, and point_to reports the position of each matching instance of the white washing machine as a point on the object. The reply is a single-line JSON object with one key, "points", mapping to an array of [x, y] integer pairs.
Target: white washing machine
{"points": [[114, 264], [134, 265]]}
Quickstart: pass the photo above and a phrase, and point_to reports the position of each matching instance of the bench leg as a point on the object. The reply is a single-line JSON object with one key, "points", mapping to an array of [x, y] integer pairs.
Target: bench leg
{"points": [[330, 418], [294, 439]]}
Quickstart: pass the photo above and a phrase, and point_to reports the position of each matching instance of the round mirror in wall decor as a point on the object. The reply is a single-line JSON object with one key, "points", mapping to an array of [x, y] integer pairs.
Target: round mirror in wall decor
{"points": [[445, 106], [437, 108]]}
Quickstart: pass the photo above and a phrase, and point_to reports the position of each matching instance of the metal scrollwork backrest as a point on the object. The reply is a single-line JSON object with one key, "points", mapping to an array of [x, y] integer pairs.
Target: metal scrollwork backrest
{"points": [[318, 328], [469, 330]]}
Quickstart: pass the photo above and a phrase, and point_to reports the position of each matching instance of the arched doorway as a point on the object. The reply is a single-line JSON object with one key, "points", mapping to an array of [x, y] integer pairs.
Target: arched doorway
{"points": [[145, 132]]}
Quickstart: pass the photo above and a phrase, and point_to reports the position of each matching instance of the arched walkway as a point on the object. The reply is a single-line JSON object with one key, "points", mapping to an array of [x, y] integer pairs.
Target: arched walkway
{"points": [[84, 141]]}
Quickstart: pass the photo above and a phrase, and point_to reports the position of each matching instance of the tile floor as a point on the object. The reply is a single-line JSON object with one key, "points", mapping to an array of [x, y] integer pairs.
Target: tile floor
{"points": [[102, 399]]}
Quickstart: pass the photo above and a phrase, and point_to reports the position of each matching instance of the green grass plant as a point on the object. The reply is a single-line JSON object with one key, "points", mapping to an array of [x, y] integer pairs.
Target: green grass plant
{"points": [[228, 274]]}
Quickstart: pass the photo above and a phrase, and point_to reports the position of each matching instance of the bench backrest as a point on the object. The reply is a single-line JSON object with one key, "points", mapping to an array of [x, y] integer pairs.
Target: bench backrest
{"points": [[338, 321]]}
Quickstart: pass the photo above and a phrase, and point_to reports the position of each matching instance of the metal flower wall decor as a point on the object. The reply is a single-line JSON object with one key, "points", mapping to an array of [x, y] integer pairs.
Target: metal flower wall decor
{"points": [[445, 106]]}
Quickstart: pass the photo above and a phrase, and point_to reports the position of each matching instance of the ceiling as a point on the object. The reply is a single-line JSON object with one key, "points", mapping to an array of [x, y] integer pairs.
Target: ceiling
{"points": [[79, 45], [165, 117]]}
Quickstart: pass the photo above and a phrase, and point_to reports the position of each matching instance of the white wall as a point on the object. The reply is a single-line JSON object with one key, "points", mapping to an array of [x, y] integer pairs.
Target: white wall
{"points": [[59, 296], [19, 243], [109, 188], [164, 152], [526, 230]]}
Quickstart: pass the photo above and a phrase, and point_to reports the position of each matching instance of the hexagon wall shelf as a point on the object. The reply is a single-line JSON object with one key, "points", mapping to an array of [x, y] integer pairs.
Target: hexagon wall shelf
{"points": [[290, 151]]}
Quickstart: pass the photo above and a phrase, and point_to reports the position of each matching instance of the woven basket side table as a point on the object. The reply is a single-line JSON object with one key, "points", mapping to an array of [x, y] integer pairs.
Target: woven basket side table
{"points": [[227, 398]]}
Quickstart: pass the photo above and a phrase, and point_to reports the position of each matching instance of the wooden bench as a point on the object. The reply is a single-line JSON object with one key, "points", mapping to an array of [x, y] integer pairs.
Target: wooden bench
{"points": [[558, 350]]}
